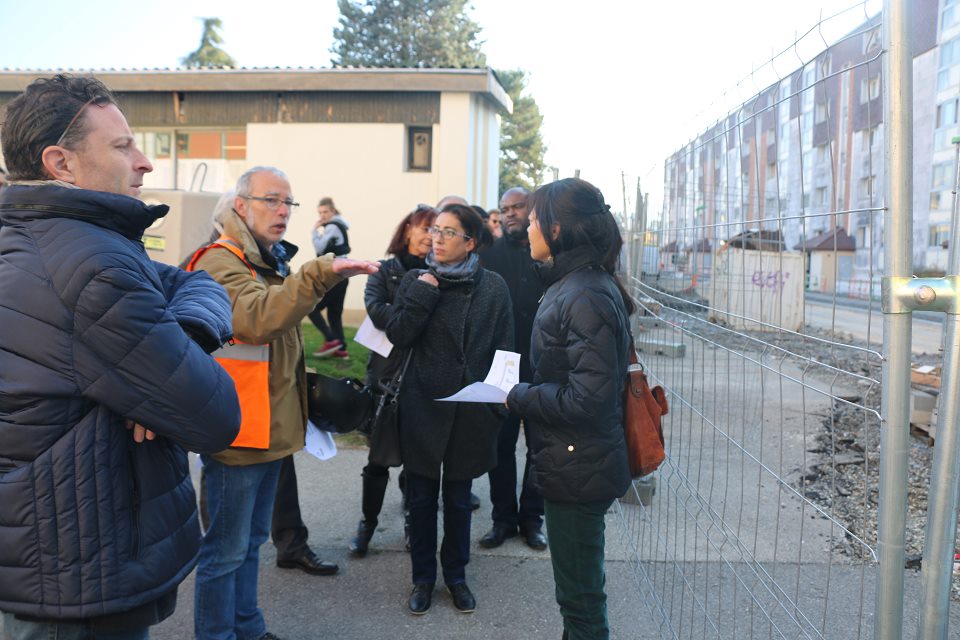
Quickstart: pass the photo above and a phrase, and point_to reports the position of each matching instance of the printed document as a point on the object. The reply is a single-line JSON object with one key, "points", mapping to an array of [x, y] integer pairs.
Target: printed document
{"points": [[373, 339], [503, 375], [320, 443]]}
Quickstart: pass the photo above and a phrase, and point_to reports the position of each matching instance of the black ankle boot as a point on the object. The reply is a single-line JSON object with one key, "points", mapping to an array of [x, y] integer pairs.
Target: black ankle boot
{"points": [[360, 542], [374, 488]]}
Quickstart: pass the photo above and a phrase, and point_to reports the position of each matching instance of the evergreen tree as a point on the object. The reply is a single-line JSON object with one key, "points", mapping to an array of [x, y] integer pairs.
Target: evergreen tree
{"points": [[521, 144], [406, 33], [208, 54]]}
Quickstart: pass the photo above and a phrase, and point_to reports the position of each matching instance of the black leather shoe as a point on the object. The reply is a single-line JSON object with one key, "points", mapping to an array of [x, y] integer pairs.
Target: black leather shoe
{"points": [[474, 501], [535, 539], [309, 562], [463, 600], [420, 598], [495, 537]]}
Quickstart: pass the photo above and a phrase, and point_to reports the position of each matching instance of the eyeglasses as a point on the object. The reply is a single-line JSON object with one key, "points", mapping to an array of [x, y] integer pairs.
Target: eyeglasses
{"points": [[100, 101], [274, 203], [447, 233]]}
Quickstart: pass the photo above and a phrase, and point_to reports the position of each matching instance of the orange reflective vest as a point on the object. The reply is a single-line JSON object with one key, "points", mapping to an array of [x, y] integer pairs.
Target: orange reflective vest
{"points": [[248, 365]]}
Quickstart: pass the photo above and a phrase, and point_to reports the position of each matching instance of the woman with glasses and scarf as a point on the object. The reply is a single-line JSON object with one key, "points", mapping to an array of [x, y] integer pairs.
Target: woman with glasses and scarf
{"points": [[454, 315], [409, 247], [574, 406]]}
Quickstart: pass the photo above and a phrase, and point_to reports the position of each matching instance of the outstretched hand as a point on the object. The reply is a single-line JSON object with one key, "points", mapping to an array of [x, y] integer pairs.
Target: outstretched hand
{"points": [[348, 267]]}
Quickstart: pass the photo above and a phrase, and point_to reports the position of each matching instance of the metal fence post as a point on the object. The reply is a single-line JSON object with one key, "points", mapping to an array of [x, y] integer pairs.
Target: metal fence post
{"points": [[895, 402], [945, 475]]}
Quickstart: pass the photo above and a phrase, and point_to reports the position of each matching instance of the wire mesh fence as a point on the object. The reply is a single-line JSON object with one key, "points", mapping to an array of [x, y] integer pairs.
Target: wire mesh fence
{"points": [[755, 289]]}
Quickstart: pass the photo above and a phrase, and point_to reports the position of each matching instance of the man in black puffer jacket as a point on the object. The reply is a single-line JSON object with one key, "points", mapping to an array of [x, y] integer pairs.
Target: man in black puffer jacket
{"points": [[101, 386]]}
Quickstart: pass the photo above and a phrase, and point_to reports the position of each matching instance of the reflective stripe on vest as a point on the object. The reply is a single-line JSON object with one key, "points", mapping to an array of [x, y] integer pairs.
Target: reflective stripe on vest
{"points": [[249, 367]]}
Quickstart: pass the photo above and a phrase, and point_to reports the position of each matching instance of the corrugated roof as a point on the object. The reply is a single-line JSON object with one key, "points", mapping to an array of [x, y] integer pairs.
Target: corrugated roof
{"points": [[835, 240]]}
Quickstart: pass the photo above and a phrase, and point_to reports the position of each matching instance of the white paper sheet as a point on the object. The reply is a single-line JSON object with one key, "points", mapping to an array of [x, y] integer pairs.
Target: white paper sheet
{"points": [[503, 375], [319, 443], [373, 339]]}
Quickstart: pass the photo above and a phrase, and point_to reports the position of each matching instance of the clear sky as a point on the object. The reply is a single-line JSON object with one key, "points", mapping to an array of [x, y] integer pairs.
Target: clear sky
{"points": [[621, 83]]}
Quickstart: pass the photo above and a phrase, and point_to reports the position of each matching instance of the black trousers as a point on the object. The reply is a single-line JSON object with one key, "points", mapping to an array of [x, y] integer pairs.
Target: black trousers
{"points": [[527, 512], [333, 303], [288, 531]]}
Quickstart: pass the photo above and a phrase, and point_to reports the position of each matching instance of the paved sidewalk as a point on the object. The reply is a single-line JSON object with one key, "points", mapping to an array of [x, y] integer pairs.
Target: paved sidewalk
{"points": [[513, 584]]}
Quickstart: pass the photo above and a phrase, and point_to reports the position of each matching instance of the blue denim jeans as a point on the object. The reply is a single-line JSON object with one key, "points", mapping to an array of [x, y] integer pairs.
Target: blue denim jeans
{"points": [[240, 501], [422, 494], [14, 629]]}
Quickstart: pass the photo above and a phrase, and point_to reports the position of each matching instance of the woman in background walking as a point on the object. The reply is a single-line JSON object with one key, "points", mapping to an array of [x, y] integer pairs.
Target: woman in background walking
{"points": [[574, 405], [330, 236]]}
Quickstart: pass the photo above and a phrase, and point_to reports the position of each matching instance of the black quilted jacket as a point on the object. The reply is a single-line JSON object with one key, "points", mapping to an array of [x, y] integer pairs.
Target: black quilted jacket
{"points": [[92, 333], [574, 407]]}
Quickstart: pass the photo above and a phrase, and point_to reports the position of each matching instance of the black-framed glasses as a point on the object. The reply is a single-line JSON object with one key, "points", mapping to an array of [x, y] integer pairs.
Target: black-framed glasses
{"points": [[273, 203], [447, 233]]}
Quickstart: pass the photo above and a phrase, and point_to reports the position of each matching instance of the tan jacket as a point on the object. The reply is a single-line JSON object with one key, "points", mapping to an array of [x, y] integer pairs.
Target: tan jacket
{"points": [[269, 309]]}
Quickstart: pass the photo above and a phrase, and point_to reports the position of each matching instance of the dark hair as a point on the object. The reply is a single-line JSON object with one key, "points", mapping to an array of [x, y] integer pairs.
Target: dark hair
{"points": [[398, 243], [327, 201], [48, 109], [584, 219], [469, 219], [486, 237]]}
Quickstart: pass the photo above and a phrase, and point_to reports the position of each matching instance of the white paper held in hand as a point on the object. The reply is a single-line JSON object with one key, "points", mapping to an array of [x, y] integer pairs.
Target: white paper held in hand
{"points": [[319, 443], [373, 339], [503, 375]]}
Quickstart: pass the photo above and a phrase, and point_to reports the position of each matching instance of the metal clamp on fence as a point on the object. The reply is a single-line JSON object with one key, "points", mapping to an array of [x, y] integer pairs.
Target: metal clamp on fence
{"points": [[900, 294]]}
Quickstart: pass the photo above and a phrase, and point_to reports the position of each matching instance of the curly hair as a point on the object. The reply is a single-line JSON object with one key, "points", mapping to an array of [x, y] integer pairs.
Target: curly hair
{"points": [[49, 112]]}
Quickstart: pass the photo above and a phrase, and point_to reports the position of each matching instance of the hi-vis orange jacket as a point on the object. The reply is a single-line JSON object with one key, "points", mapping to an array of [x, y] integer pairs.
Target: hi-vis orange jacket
{"points": [[266, 361]]}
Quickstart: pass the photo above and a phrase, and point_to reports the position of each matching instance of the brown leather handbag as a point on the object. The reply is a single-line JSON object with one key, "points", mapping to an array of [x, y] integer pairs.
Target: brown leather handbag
{"points": [[643, 409]]}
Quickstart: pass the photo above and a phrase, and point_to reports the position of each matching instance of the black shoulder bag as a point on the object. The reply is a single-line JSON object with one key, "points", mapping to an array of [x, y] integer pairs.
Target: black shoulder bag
{"points": [[384, 426]]}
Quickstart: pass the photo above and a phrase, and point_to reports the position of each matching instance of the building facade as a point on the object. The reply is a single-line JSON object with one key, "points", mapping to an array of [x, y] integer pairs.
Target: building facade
{"points": [[805, 156]]}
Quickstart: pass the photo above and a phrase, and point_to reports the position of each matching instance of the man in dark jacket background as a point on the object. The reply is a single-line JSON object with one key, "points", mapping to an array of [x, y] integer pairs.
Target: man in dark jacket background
{"points": [[510, 257], [104, 378]]}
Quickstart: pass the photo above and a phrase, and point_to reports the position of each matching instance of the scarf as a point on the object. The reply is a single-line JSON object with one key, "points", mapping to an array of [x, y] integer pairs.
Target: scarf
{"points": [[458, 271]]}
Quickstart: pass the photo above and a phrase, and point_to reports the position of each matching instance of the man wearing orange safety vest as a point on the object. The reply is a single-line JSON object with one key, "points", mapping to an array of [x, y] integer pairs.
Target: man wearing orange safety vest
{"points": [[266, 362]]}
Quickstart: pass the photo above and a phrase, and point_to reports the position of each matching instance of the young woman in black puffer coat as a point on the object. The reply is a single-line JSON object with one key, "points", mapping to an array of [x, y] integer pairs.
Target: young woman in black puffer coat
{"points": [[409, 247], [574, 406]]}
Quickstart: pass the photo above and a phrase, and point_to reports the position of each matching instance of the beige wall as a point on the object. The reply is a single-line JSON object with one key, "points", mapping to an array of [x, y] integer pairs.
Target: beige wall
{"points": [[365, 176]]}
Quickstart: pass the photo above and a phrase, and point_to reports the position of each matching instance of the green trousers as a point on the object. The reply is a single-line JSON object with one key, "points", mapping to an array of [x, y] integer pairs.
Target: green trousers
{"points": [[576, 549]]}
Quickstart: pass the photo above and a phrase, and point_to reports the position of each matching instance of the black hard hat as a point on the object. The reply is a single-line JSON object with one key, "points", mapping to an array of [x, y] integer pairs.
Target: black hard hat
{"points": [[337, 404]]}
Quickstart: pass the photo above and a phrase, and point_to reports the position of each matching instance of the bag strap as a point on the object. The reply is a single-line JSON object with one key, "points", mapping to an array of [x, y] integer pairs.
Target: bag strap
{"points": [[392, 388]]}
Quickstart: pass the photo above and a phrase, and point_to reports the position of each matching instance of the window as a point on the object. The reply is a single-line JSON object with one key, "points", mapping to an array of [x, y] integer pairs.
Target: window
{"points": [[947, 113], [939, 234], [820, 113], [949, 53], [943, 80], [419, 148], [941, 174], [823, 154], [823, 66], [820, 196], [868, 139], [949, 18], [934, 200], [212, 145], [866, 187], [871, 41], [869, 89], [863, 237]]}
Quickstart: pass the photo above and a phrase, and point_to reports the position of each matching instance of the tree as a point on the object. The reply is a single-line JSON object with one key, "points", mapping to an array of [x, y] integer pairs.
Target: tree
{"points": [[406, 33], [521, 144], [208, 54]]}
